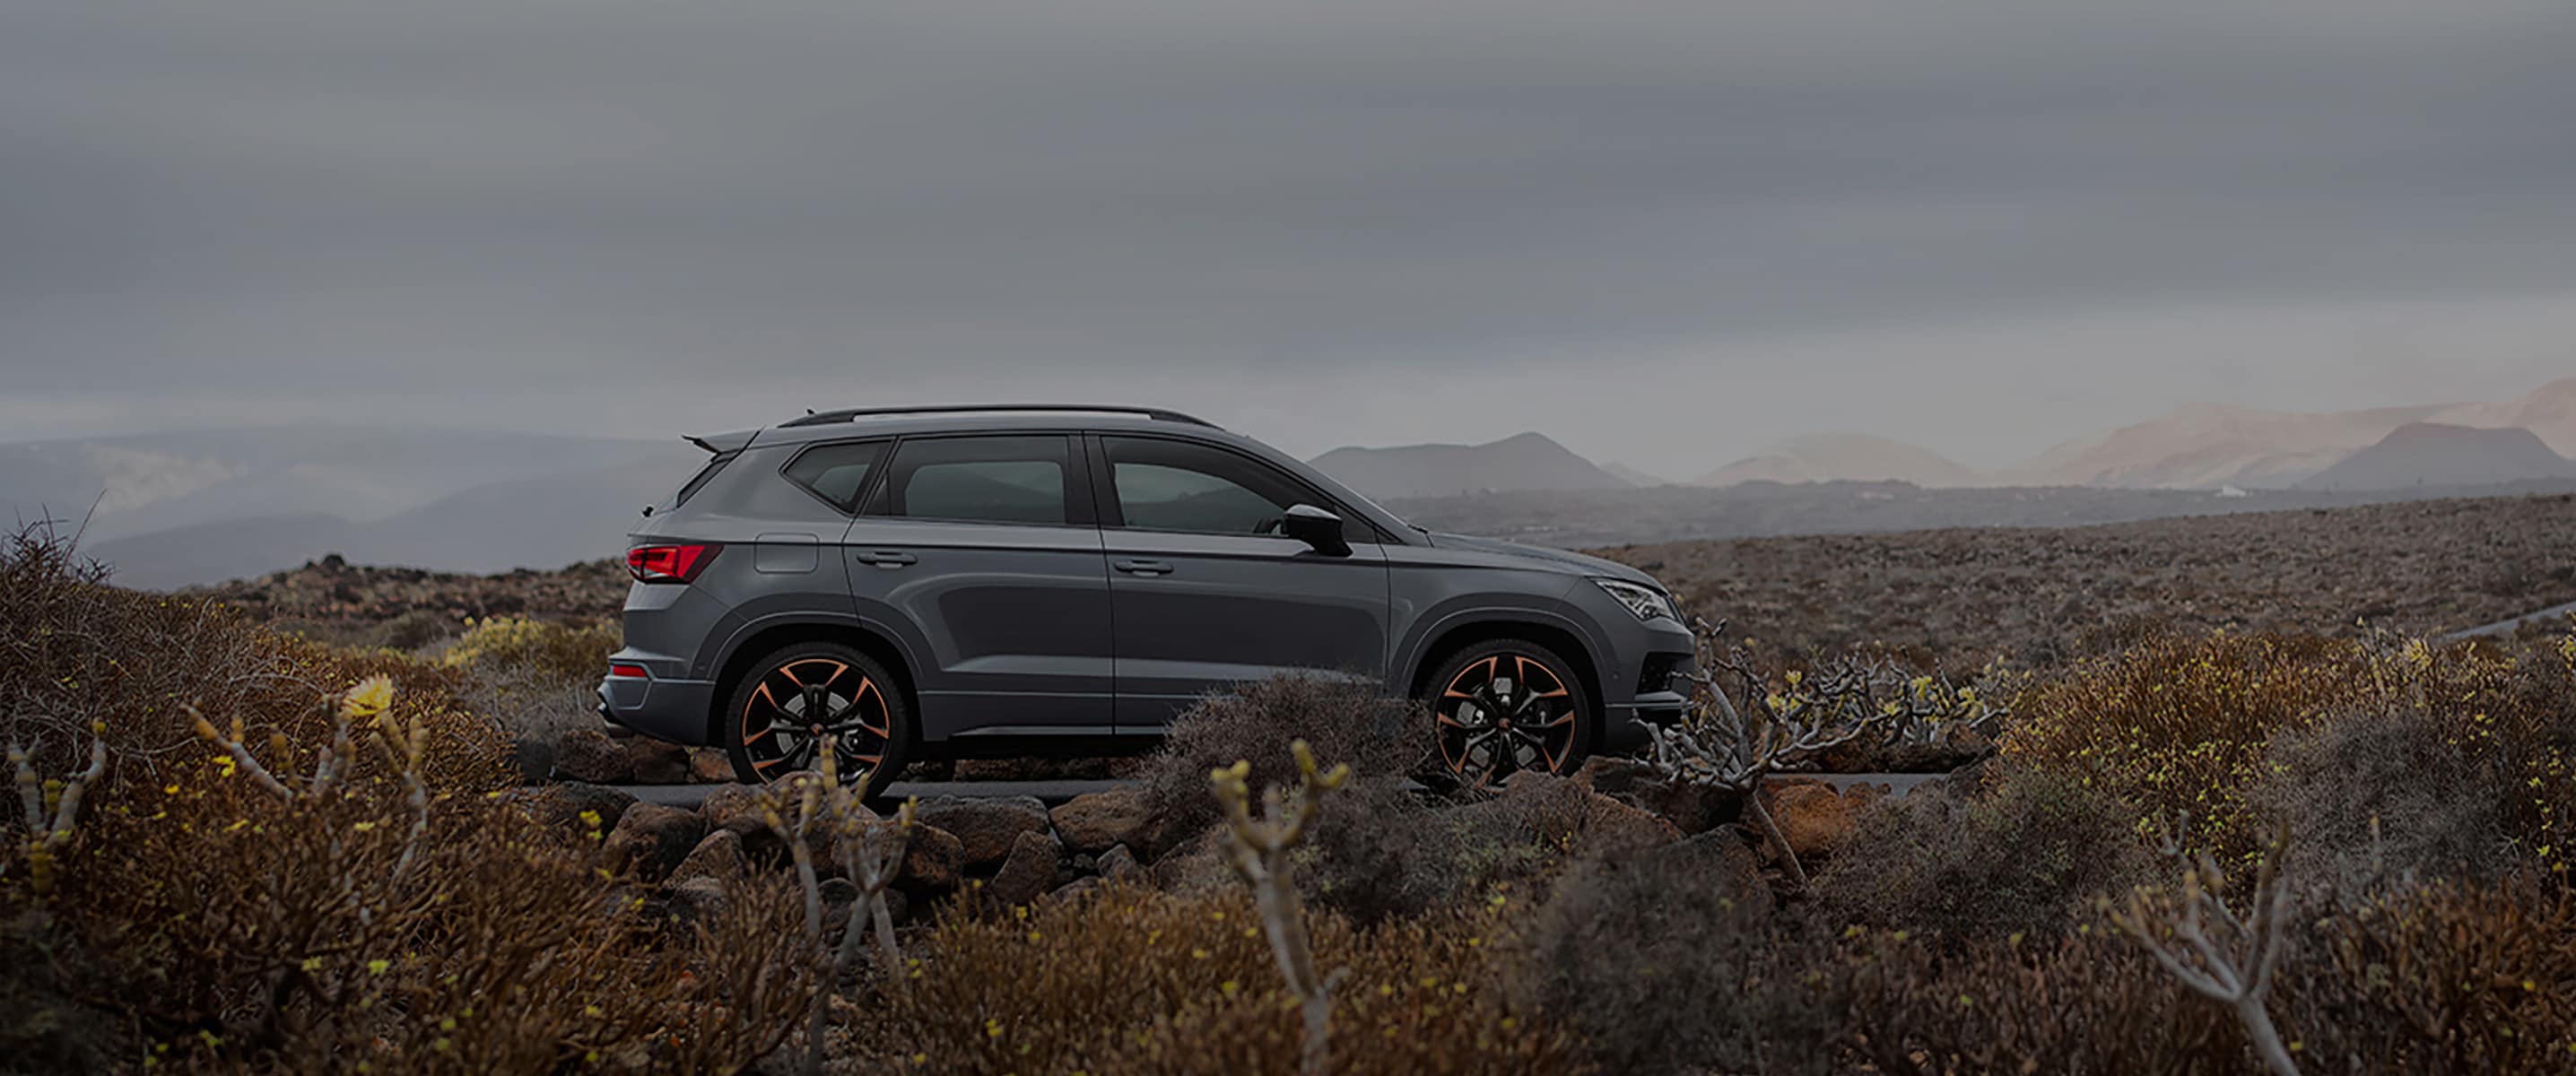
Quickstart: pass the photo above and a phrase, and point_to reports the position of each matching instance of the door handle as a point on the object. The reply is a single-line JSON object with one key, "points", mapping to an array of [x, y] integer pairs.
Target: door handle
{"points": [[886, 558], [1142, 567]]}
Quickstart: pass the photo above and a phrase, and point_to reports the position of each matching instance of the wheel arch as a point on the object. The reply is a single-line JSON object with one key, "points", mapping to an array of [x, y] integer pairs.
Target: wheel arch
{"points": [[768, 639], [1451, 639]]}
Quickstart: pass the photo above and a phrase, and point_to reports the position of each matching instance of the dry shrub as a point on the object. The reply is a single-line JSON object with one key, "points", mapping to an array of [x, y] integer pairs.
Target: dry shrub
{"points": [[2457, 977], [1669, 962], [77, 653], [2028, 855], [238, 929], [563, 653], [2452, 979], [199, 918], [1132, 980], [1345, 722], [1379, 851], [2184, 727], [2084, 1002], [2388, 796]]}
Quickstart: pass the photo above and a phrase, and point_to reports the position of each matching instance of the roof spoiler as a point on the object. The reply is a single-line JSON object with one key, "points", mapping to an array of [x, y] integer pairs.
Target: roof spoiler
{"points": [[721, 443]]}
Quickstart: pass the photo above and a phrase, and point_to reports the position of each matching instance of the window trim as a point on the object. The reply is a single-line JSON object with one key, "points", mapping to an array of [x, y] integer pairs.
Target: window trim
{"points": [[1113, 516], [876, 474], [1079, 498]]}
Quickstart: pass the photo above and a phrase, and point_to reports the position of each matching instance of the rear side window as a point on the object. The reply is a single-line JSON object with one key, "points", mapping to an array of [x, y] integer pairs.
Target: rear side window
{"points": [[1009, 479], [837, 473], [705, 474]]}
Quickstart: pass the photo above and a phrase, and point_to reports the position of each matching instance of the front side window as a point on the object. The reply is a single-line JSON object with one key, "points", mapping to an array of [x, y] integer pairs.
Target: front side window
{"points": [[837, 473], [1168, 485], [1013, 479]]}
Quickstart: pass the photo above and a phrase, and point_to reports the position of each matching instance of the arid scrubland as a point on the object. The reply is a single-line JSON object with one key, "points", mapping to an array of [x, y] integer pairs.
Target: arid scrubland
{"points": [[2106, 862]]}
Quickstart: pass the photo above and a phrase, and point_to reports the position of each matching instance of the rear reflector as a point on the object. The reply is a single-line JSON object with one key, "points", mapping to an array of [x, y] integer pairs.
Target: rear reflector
{"points": [[634, 672], [669, 563]]}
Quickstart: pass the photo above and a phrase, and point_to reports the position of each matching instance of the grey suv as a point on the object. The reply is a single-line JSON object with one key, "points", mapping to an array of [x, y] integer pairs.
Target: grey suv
{"points": [[979, 581]]}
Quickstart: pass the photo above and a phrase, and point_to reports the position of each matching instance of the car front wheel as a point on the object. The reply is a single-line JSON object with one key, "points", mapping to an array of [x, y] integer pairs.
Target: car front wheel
{"points": [[1505, 706]]}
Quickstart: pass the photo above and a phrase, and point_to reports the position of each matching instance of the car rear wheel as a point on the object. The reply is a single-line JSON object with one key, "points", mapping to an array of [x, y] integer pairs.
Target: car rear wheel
{"points": [[1509, 705], [790, 701]]}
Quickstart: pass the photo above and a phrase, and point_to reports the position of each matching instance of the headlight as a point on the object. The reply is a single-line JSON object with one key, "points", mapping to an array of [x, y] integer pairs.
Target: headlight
{"points": [[1646, 602]]}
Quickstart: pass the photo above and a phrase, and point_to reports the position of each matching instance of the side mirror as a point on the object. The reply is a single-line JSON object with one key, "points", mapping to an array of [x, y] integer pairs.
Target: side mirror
{"points": [[1315, 527]]}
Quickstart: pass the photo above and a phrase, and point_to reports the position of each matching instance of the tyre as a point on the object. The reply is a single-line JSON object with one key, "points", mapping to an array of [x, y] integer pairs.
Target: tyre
{"points": [[1509, 705], [777, 717]]}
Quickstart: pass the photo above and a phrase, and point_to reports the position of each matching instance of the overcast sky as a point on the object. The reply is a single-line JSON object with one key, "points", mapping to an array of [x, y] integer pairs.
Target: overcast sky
{"points": [[1664, 233]]}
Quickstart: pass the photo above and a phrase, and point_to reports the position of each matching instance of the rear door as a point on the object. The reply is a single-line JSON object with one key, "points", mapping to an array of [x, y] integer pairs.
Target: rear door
{"points": [[984, 547], [1203, 598]]}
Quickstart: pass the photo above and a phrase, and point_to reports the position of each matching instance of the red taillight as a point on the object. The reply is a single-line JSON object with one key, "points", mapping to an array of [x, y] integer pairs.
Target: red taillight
{"points": [[632, 672], [669, 563]]}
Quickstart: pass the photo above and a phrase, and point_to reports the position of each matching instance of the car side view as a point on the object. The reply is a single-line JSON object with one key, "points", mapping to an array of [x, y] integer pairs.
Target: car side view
{"points": [[1026, 580]]}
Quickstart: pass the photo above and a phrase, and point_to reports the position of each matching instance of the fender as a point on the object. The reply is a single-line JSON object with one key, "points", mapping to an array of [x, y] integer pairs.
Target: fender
{"points": [[1449, 616]]}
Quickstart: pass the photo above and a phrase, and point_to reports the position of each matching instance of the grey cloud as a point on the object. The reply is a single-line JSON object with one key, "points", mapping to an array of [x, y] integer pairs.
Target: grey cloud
{"points": [[542, 196]]}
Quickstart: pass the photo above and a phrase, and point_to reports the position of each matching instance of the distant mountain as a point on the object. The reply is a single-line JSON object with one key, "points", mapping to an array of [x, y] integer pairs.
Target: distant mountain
{"points": [[2548, 411], [156, 482], [1844, 457], [1633, 476], [2430, 454], [544, 522], [1526, 462], [2205, 446]]}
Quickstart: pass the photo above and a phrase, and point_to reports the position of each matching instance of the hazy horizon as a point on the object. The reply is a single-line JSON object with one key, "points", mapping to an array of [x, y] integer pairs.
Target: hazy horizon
{"points": [[1664, 234]]}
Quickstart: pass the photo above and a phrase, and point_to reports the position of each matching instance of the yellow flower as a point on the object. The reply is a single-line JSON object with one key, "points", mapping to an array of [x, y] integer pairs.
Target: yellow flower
{"points": [[372, 696]]}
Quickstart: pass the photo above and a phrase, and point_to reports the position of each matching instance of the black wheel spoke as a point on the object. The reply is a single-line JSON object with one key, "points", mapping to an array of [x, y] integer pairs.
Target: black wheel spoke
{"points": [[797, 703], [1505, 713]]}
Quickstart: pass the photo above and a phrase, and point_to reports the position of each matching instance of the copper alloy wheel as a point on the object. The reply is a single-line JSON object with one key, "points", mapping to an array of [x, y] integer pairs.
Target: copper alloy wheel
{"points": [[795, 704], [1503, 713]]}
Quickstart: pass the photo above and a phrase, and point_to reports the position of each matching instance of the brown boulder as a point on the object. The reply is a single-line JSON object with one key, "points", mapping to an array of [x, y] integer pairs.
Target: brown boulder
{"points": [[719, 855], [588, 755], [1102, 820], [1074, 890], [1813, 818], [1029, 872], [657, 762], [709, 766], [566, 804], [1118, 864], [651, 839], [988, 829], [726, 804], [697, 900], [933, 863]]}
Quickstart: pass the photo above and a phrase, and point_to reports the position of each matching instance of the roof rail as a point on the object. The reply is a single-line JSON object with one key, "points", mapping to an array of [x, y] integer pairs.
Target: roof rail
{"points": [[828, 417]]}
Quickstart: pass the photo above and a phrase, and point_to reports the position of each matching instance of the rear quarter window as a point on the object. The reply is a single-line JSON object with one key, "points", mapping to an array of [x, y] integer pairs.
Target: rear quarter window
{"points": [[837, 473], [705, 475]]}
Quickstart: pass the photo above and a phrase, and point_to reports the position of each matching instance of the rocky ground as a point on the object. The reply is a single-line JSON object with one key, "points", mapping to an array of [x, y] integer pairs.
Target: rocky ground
{"points": [[1017, 850], [2038, 595], [2041, 596]]}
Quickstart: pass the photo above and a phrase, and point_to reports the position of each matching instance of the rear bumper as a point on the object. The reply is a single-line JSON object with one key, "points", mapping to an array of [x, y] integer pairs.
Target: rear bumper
{"points": [[673, 710]]}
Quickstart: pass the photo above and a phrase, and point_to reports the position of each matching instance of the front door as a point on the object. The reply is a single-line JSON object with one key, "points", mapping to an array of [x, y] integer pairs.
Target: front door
{"points": [[983, 551], [1207, 596]]}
